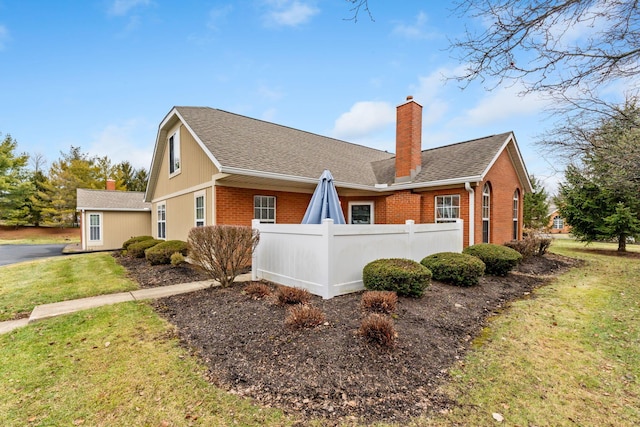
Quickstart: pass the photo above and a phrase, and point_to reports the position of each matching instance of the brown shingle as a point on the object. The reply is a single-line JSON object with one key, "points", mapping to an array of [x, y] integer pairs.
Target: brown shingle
{"points": [[111, 200]]}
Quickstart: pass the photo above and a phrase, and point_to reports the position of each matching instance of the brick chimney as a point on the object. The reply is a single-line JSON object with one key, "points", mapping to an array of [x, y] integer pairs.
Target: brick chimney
{"points": [[408, 140], [111, 184]]}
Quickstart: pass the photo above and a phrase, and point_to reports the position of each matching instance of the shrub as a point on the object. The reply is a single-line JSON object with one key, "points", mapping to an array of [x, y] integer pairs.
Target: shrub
{"points": [[161, 253], [135, 239], [498, 259], [543, 245], [222, 250], [257, 290], [287, 295], [378, 329], [403, 276], [136, 250], [177, 259], [304, 316], [379, 301], [532, 245], [455, 268]]}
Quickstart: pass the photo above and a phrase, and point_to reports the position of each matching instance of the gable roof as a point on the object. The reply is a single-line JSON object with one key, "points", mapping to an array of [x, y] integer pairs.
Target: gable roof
{"points": [[241, 145], [107, 200]]}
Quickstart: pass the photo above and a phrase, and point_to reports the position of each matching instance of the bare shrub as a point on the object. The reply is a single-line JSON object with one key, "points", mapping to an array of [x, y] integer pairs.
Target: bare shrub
{"points": [[287, 295], [222, 250], [304, 316], [379, 301], [257, 290], [378, 329]]}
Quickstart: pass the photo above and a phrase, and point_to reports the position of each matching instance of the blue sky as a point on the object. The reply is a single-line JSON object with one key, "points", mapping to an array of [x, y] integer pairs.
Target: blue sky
{"points": [[102, 74]]}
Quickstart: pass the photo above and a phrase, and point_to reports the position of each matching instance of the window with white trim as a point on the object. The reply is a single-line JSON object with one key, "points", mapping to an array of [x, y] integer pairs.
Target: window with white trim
{"points": [[264, 209], [486, 213], [447, 208], [162, 221], [174, 153], [516, 204], [558, 222], [199, 209], [361, 213], [95, 227]]}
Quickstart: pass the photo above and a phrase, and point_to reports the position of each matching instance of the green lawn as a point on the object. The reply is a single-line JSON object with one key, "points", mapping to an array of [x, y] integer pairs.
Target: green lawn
{"points": [[567, 356], [25, 285]]}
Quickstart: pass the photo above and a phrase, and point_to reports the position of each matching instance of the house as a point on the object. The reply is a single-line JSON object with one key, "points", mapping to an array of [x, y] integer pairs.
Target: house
{"points": [[108, 217], [215, 167], [557, 224]]}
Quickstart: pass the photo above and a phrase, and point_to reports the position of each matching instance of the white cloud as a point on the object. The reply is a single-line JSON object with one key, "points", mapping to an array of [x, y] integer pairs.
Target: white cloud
{"points": [[122, 7], [417, 30], [289, 13], [218, 14], [363, 119], [4, 36], [132, 140], [501, 104]]}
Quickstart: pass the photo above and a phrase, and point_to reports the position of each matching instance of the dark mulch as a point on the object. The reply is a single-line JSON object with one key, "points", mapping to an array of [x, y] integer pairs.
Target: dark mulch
{"points": [[330, 372]]}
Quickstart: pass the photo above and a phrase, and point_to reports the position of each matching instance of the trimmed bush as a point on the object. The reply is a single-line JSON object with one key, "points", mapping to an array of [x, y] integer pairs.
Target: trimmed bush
{"points": [[403, 276], [133, 240], [499, 260], [378, 329], [161, 253], [304, 316], [379, 301], [257, 290], [287, 295], [136, 250], [455, 268], [177, 259]]}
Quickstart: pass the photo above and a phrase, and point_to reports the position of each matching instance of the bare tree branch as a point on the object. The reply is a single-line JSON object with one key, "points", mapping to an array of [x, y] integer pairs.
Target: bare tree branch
{"points": [[356, 7]]}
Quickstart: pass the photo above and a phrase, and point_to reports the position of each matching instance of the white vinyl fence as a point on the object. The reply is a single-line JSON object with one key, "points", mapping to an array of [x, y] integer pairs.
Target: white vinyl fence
{"points": [[328, 259]]}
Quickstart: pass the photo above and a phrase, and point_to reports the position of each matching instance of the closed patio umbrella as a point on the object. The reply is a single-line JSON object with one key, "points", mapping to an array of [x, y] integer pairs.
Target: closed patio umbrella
{"points": [[324, 202]]}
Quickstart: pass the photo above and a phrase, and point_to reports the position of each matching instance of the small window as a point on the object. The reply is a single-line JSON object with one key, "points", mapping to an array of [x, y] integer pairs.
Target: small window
{"points": [[361, 213], [200, 212], [447, 208], [162, 221], [516, 201], [486, 213], [95, 227], [558, 222], [174, 153], [264, 209]]}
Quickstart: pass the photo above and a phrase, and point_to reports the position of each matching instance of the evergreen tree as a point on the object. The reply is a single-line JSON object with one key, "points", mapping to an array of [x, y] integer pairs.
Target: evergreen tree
{"points": [[536, 206], [15, 185]]}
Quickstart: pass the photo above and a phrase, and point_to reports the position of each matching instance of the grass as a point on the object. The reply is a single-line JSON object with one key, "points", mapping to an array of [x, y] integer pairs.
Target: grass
{"points": [[119, 365], [567, 357], [40, 240], [25, 285]]}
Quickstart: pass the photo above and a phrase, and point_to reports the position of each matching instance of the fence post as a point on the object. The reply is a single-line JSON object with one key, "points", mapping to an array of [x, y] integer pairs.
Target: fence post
{"points": [[327, 237], [409, 229], [255, 225]]}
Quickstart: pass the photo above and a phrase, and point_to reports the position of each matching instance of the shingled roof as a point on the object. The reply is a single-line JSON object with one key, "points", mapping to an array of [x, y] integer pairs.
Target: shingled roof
{"points": [[106, 200]]}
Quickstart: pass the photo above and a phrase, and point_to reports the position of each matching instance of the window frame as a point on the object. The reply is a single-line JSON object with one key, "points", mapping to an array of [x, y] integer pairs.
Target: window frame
{"points": [[175, 164], [516, 213], [441, 206], [558, 220], [91, 227], [486, 213], [161, 220], [368, 203], [259, 208], [200, 222]]}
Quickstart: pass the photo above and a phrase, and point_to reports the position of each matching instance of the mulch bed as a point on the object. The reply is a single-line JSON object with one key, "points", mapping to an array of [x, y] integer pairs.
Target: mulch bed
{"points": [[331, 372]]}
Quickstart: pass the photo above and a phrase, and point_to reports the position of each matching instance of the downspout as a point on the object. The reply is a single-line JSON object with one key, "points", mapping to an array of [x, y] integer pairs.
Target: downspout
{"points": [[472, 213]]}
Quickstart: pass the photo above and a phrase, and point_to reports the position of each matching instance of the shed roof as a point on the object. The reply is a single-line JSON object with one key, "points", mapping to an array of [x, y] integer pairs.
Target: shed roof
{"points": [[111, 200]]}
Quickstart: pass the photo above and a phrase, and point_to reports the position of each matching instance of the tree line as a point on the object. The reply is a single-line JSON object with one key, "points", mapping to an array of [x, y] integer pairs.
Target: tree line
{"points": [[30, 194]]}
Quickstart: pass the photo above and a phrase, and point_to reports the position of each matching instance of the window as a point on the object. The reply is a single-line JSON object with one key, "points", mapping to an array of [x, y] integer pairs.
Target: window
{"points": [[361, 213], [95, 227], [199, 208], [558, 222], [447, 208], [264, 209], [516, 199], [162, 221], [174, 153], [486, 213]]}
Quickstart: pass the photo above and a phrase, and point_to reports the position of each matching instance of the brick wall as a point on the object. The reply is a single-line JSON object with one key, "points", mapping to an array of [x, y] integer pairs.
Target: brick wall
{"points": [[429, 207], [402, 206]]}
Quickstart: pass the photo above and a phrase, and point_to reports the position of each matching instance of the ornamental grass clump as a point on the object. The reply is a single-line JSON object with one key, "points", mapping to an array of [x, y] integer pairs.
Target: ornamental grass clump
{"points": [[257, 290], [384, 302], [136, 250], [287, 295], [162, 252], [499, 260], [455, 268], [403, 276], [177, 259], [378, 329], [530, 245], [304, 316]]}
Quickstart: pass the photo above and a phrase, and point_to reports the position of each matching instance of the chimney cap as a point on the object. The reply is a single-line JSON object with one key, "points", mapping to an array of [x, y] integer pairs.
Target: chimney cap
{"points": [[409, 97]]}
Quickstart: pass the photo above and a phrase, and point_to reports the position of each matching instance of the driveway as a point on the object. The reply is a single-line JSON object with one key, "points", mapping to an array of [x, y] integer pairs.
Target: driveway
{"points": [[11, 254]]}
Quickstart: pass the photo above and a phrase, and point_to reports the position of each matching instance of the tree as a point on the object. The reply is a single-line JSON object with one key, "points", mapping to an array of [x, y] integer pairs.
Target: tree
{"points": [[551, 46], [132, 179], [536, 206], [15, 185]]}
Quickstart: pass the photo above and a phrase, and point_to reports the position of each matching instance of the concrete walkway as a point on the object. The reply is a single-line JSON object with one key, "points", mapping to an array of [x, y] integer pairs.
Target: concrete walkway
{"points": [[46, 311]]}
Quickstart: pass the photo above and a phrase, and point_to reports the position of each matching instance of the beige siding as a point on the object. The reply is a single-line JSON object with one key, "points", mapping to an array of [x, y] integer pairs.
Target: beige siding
{"points": [[180, 212], [117, 227], [195, 166]]}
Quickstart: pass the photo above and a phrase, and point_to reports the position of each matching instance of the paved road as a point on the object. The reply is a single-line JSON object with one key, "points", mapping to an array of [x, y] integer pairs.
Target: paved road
{"points": [[11, 254]]}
